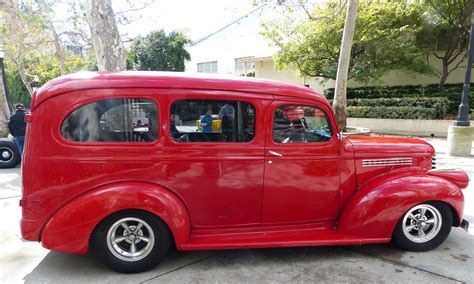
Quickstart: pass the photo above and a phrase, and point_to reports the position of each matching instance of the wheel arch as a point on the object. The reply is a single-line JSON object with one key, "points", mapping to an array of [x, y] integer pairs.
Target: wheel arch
{"points": [[375, 208], [71, 227]]}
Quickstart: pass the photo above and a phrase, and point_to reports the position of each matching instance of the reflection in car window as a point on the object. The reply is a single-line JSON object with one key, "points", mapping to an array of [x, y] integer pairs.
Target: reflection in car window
{"points": [[117, 120], [212, 121], [300, 124]]}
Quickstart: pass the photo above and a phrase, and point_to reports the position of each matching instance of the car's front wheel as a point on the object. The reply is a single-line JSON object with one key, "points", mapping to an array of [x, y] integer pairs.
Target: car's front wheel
{"points": [[423, 227], [131, 241]]}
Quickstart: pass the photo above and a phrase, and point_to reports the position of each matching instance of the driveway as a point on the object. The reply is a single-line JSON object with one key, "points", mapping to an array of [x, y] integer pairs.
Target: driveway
{"points": [[453, 261]]}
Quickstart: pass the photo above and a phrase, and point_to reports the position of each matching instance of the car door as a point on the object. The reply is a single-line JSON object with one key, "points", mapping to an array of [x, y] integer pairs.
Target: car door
{"points": [[301, 179], [215, 156]]}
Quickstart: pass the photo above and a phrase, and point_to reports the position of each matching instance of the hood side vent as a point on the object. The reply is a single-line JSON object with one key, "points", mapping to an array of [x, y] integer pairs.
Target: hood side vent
{"points": [[387, 162]]}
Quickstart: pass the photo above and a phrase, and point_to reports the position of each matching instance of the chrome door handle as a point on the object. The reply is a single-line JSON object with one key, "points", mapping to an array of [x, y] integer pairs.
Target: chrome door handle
{"points": [[273, 153]]}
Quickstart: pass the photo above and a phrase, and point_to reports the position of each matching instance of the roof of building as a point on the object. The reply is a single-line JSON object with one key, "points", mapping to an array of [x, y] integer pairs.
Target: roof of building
{"points": [[168, 80]]}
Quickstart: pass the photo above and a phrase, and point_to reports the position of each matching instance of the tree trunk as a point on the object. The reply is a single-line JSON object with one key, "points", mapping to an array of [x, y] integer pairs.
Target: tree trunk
{"points": [[340, 92], [444, 75], [4, 110], [108, 45], [21, 71], [60, 54]]}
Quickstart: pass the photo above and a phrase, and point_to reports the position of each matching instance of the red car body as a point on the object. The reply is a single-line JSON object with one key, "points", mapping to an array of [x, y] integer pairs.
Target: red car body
{"points": [[347, 190]]}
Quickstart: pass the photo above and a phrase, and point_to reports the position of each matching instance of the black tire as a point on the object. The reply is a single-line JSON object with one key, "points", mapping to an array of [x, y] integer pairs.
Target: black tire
{"points": [[437, 232], [9, 155], [110, 255]]}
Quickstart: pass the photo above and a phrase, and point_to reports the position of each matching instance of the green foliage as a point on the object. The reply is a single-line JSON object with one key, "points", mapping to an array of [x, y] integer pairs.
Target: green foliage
{"points": [[158, 51], [445, 102], [16, 89], [446, 33], [439, 104], [46, 69], [384, 40], [393, 112]]}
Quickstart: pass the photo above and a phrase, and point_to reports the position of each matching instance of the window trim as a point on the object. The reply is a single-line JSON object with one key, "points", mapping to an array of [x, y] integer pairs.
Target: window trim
{"points": [[210, 64], [174, 142], [69, 110]]}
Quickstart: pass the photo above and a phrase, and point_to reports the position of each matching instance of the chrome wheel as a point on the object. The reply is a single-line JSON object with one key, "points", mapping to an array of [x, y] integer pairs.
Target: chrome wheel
{"points": [[130, 239], [422, 223], [6, 155]]}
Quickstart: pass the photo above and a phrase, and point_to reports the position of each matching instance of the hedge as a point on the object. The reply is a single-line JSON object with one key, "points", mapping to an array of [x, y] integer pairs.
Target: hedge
{"points": [[416, 96], [399, 91], [393, 112], [441, 105]]}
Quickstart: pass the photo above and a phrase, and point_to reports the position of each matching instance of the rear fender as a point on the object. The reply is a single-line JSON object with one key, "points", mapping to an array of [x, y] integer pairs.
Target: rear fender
{"points": [[70, 228], [374, 210]]}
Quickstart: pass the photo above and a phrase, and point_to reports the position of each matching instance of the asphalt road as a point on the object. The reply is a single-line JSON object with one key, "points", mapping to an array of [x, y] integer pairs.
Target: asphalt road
{"points": [[453, 261]]}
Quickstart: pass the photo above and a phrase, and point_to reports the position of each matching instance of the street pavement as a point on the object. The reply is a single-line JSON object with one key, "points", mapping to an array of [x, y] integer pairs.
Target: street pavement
{"points": [[452, 262]]}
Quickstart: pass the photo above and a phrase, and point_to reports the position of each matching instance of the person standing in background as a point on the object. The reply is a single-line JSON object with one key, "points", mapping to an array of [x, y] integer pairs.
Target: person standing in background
{"points": [[206, 121], [17, 127]]}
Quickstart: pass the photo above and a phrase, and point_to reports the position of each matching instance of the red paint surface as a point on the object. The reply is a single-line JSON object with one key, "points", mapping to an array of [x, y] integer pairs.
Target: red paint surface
{"points": [[218, 195]]}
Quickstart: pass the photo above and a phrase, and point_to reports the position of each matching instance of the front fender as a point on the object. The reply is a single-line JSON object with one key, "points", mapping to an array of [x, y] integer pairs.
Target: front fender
{"points": [[375, 208], [70, 228]]}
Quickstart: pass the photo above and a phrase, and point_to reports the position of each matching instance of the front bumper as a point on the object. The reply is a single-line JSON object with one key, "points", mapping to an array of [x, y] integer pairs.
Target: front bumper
{"points": [[465, 225]]}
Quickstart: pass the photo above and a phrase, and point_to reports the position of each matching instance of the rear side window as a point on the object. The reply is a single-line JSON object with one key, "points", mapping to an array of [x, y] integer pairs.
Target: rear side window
{"points": [[116, 120], [212, 121], [300, 124]]}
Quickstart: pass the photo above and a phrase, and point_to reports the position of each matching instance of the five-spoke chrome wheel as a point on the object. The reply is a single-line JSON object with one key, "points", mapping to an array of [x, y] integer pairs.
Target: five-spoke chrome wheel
{"points": [[130, 239], [424, 226], [422, 223]]}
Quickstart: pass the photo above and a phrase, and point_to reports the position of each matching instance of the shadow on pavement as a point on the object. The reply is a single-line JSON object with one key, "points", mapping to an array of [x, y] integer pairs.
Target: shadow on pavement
{"points": [[369, 263]]}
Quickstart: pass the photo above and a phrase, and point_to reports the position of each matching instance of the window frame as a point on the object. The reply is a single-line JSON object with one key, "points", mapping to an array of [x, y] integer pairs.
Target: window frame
{"points": [[208, 63], [69, 110], [188, 98], [280, 103]]}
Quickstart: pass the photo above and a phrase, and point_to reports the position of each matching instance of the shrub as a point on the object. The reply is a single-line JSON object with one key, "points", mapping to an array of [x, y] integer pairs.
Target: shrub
{"points": [[393, 112], [415, 96], [439, 104]]}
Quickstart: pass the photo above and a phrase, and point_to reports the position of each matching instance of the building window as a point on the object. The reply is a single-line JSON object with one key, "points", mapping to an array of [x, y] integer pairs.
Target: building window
{"points": [[75, 50], [300, 124], [207, 67], [212, 121], [244, 67], [116, 120]]}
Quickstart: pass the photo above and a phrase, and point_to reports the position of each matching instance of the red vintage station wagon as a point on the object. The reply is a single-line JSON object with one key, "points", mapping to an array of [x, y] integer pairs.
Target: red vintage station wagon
{"points": [[128, 164]]}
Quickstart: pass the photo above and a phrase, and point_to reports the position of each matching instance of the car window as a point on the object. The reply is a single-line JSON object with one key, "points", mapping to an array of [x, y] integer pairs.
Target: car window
{"points": [[212, 121], [300, 124], [116, 120]]}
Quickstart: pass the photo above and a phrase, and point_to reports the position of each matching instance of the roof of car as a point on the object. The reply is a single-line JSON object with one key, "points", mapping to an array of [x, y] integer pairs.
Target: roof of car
{"points": [[174, 80]]}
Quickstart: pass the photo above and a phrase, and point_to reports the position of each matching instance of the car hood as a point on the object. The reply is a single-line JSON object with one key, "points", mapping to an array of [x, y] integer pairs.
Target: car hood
{"points": [[380, 147]]}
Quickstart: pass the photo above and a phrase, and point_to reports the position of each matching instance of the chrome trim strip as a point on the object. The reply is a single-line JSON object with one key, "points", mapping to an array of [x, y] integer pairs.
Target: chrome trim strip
{"points": [[387, 162]]}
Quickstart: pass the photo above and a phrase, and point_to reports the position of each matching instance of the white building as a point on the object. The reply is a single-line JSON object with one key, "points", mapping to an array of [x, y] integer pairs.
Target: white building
{"points": [[230, 49], [238, 48]]}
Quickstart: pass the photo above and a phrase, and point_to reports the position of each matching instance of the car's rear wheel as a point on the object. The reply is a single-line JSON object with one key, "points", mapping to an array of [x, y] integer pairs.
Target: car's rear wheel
{"points": [[424, 227], [131, 241], [9, 155]]}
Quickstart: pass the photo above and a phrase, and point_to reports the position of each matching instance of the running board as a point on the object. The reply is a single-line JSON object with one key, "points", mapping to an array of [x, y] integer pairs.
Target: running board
{"points": [[277, 238]]}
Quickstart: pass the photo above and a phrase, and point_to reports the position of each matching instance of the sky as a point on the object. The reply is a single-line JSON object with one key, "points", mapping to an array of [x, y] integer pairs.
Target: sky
{"points": [[197, 18]]}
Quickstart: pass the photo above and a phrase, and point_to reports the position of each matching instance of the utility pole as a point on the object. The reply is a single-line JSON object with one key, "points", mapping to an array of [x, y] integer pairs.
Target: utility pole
{"points": [[460, 134], [463, 114]]}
